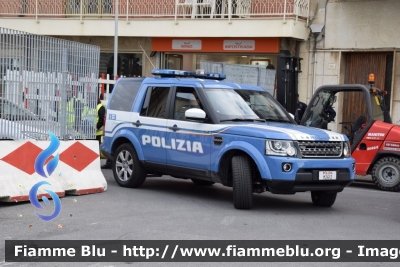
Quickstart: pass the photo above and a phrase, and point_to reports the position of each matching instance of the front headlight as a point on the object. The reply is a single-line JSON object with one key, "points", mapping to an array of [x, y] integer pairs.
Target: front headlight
{"points": [[346, 149], [280, 148]]}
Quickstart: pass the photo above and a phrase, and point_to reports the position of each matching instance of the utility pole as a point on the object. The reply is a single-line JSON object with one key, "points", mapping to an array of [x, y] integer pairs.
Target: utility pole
{"points": [[116, 39]]}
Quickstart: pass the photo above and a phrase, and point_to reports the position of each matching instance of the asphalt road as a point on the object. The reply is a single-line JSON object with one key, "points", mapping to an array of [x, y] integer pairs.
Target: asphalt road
{"points": [[173, 209]]}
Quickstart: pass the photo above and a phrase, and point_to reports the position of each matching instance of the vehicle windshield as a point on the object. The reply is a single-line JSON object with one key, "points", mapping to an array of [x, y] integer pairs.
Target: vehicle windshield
{"points": [[315, 116], [318, 115], [11, 111], [244, 105]]}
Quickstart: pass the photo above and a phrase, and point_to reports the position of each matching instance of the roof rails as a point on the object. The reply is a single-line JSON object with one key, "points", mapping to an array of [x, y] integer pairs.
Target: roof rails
{"points": [[184, 73]]}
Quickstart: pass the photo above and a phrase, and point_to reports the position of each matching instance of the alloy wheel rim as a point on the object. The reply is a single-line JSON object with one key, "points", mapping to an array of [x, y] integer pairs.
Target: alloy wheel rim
{"points": [[124, 165]]}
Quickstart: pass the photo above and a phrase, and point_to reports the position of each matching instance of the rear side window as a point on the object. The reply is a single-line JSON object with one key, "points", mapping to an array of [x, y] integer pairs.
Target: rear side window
{"points": [[155, 102], [124, 94]]}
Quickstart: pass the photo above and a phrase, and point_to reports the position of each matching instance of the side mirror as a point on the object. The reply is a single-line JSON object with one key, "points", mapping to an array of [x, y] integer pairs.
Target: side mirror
{"points": [[195, 114]]}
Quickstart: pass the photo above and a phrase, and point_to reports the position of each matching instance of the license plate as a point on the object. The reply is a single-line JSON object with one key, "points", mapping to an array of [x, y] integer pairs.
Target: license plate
{"points": [[327, 175]]}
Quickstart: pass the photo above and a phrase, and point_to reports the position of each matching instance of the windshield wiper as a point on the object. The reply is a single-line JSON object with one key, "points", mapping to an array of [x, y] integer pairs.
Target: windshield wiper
{"points": [[238, 119], [277, 120]]}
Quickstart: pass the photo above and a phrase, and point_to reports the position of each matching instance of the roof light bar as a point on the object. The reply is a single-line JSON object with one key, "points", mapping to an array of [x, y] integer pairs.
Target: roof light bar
{"points": [[211, 75], [185, 73], [171, 73]]}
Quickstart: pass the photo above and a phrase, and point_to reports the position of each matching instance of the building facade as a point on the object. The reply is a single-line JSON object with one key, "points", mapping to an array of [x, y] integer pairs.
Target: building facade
{"points": [[359, 37]]}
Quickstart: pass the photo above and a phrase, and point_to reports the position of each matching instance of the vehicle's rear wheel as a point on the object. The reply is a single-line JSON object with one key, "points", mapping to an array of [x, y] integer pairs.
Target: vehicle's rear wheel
{"points": [[323, 198], [386, 174], [242, 182], [202, 182], [128, 172]]}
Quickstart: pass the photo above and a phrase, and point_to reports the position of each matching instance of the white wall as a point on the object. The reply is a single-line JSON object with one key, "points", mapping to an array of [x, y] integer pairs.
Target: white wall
{"points": [[362, 24]]}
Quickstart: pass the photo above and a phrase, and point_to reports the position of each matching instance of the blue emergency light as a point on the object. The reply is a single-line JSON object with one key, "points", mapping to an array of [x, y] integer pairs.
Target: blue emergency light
{"points": [[171, 73], [211, 75], [185, 73]]}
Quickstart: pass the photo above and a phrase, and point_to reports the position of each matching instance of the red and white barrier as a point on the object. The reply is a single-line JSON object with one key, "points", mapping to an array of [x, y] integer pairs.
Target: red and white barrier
{"points": [[78, 170]]}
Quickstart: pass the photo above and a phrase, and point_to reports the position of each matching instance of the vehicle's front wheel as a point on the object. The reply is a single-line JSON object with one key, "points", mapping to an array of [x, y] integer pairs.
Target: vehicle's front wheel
{"points": [[242, 182], [202, 182], [128, 172], [323, 198], [386, 174]]}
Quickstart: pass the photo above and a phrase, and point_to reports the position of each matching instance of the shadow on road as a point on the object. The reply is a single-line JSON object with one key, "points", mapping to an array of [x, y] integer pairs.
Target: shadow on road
{"points": [[364, 185], [221, 197]]}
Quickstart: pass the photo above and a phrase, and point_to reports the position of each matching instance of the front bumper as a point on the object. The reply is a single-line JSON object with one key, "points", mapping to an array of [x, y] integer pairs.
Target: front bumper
{"points": [[304, 174], [307, 180]]}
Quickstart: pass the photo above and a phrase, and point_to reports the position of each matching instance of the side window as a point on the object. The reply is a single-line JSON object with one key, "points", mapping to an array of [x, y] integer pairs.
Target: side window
{"points": [[185, 98], [155, 102], [124, 94]]}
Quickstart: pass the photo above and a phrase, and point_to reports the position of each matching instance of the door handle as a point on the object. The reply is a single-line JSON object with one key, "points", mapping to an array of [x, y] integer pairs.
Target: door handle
{"points": [[137, 123], [174, 128]]}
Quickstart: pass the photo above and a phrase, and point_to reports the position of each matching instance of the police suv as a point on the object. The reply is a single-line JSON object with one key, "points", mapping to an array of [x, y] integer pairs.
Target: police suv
{"points": [[195, 126]]}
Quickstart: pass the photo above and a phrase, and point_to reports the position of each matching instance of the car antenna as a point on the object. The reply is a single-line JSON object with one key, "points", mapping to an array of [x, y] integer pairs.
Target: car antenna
{"points": [[147, 57]]}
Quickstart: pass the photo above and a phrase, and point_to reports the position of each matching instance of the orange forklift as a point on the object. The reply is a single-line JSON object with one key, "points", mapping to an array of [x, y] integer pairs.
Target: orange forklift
{"points": [[374, 140]]}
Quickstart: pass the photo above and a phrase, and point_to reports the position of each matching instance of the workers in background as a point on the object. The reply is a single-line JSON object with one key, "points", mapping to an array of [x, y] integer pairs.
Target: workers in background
{"points": [[74, 109], [99, 123], [89, 116]]}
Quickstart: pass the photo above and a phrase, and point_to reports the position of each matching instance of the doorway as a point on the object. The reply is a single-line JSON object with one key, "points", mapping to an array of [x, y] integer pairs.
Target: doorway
{"points": [[358, 66], [173, 61]]}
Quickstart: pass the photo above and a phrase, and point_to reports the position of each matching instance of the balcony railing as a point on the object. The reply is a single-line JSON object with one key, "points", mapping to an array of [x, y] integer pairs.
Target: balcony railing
{"points": [[163, 9]]}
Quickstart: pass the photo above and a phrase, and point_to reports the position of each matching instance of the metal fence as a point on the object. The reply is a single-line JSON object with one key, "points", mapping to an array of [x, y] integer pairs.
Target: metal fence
{"points": [[192, 9], [47, 84]]}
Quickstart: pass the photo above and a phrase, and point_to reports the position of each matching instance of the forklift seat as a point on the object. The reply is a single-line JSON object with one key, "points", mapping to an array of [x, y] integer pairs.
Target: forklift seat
{"points": [[356, 126]]}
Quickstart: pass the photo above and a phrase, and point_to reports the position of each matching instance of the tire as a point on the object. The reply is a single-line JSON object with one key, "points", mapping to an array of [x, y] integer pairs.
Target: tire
{"points": [[323, 198], [242, 182], [128, 172], [202, 182], [386, 174]]}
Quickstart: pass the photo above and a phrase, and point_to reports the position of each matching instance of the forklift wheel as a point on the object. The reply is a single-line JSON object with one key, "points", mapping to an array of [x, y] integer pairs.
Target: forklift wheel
{"points": [[386, 174]]}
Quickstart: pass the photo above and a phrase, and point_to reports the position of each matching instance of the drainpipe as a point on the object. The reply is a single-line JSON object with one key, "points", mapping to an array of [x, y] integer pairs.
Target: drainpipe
{"points": [[81, 10], [316, 30], [127, 12], [284, 13], [314, 56]]}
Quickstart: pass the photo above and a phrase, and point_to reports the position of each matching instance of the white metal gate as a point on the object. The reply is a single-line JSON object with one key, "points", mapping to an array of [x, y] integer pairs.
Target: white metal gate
{"points": [[47, 84]]}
